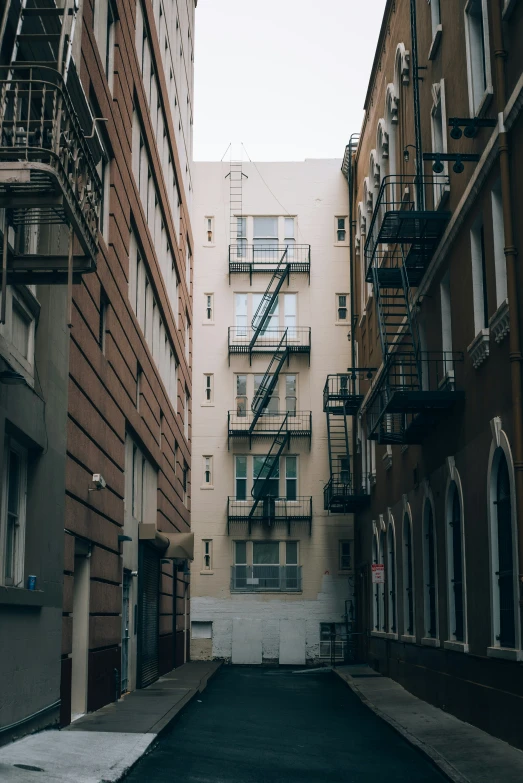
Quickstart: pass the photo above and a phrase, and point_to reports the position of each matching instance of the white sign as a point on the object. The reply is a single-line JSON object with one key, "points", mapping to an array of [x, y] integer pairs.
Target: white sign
{"points": [[252, 581], [378, 574]]}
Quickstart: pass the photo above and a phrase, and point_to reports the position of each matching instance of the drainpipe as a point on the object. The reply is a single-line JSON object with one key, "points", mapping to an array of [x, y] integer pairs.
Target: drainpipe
{"points": [[512, 281]]}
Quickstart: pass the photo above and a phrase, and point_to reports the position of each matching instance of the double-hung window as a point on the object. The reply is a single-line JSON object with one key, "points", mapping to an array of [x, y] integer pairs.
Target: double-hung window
{"points": [[240, 314], [290, 394], [289, 312], [12, 529], [207, 472], [261, 469], [271, 316], [241, 237], [345, 556], [241, 395], [265, 238], [291, 478], [209, 308], [274, 401], [289, 239], [240, 471], [341, 229], [341, 308]]}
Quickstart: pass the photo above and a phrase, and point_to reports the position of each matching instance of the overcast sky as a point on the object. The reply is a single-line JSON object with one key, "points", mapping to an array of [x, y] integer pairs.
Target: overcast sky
{"points": [[287, 78]]}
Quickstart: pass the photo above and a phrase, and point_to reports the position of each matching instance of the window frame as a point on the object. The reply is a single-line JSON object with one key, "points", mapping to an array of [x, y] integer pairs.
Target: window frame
{"points": [[341, 543], [209, 307], [208, 389], [452, 641], [345, 241], [18, 557], [477, 105], [440, 191], [342, 321], [207, 466], [206, 555], [209, 229]]}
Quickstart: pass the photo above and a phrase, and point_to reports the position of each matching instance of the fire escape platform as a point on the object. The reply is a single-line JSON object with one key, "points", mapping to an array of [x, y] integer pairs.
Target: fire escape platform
{"points": [[423, 227], [280, 512], [410, 401]]}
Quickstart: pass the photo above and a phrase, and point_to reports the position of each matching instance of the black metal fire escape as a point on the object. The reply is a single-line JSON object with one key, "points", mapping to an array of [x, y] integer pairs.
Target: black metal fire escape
{"points": [[413, 386], [50, 190]]}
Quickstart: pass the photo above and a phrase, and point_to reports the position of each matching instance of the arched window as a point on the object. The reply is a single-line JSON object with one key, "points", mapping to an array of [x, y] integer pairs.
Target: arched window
{"points": [[408, 577], [456, 570], [391, 577], [429, 573], [506, 636], [381, 587], [376, 596]]}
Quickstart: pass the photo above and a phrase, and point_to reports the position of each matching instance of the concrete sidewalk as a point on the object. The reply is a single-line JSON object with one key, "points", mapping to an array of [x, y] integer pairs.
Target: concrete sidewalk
{"points": [[463, 752], [102, 746]]}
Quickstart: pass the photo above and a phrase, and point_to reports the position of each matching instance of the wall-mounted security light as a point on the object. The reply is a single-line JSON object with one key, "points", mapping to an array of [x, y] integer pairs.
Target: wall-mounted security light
{"points": [[470, 126], [406, 154], [457, 157], [99, 483], [122, 538]]}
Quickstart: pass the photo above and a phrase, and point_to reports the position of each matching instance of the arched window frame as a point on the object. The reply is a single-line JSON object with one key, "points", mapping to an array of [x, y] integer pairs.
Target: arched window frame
{"points": [[409, 630], [454, 485], [392, 578], [428, 506], [376, 606], [382, 587], [500, 445]]}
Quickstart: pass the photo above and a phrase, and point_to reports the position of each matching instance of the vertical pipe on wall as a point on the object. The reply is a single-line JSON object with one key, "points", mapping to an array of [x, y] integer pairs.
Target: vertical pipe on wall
{"points": [[420, 195], [512, 281]]}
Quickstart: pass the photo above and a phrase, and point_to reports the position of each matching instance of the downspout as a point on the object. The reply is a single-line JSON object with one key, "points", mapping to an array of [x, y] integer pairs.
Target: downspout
{"points": [[512, 282], [420, 194]]}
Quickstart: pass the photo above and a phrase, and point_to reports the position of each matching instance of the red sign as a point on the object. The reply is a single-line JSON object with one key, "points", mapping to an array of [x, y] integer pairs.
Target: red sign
{"points": [[378, 574]]}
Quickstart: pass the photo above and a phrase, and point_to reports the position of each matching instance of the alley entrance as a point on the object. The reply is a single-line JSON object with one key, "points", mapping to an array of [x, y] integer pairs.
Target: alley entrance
{"points": [[257, 725]]}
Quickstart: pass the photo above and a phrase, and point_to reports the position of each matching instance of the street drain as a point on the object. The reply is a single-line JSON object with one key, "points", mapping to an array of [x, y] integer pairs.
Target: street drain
{"points": [[29, 767]]}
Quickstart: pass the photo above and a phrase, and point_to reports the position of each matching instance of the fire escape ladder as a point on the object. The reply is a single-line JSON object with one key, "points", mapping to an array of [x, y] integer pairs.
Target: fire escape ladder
{"points": [[268, 468], [338, 442], [270, 297], [263, 395]]}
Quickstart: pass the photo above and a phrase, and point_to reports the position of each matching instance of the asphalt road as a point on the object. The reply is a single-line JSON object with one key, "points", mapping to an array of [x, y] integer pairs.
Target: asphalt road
{"points": [[257, 725]]}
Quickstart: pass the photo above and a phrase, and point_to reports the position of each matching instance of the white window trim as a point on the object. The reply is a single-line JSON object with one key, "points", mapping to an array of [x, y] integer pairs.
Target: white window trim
{"points": [[345, 242], [209, 555], [205, 402], [206, 229], [7, 348], [339, 322], [391, 526], [19, 559], [451, 643], [430, 641], [489, 91], [406, 636], [443, 190], [206, 485], [208, 321], [340, 542]]}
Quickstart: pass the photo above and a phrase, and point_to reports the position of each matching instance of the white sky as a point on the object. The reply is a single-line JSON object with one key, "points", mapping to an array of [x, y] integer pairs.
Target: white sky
{"points": [[287, 78]]}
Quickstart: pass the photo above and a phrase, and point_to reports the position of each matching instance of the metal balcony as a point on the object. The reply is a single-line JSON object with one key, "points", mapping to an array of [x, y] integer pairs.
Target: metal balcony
{"points": [[47, 177], [256, 259], [270, 511], [298, 424], [342, 392], [400, 233], [342, 494], [401, 409], [297, 340], [266, 579]]}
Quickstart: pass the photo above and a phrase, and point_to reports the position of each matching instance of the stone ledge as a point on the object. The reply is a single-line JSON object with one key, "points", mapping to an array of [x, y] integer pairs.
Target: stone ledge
{"points": [[479, 348], [499, 323]]}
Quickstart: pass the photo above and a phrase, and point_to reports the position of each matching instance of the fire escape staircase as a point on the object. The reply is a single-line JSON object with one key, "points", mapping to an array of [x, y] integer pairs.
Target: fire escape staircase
{"points": [[49, 187], [414, 386], [261, 484]]}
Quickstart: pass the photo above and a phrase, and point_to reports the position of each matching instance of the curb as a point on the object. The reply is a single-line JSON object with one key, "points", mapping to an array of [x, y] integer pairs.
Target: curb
{"points": [[172, 716], [431, 753]]}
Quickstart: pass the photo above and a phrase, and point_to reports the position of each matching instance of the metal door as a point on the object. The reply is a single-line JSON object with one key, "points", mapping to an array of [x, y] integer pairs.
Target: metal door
{"points": [[149, 585], [126, 589]]}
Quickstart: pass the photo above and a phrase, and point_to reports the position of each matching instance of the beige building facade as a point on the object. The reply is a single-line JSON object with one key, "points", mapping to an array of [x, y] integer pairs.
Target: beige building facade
{"points": [[272, 576]]}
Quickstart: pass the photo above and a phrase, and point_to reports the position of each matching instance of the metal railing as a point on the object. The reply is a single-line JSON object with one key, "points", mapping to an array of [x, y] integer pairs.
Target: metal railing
{"points": [[343, 492], [342, 390], [41, 142], [261, 257], [297, 339], [297, 423], [266, 578], [276, 510]]}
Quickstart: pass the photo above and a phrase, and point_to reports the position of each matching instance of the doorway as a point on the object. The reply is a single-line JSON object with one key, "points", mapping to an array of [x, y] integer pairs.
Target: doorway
{"points": [[80, 654]]}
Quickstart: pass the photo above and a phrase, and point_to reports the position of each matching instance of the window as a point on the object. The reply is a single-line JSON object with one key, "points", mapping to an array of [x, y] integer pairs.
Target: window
{"points": [[289, 239], [391, 577], [341, 229], [270, 318], [290, 394], [408, 577], [341, 308], [429, 572], [265, 238], [479, 276], [208, 389], [438, 122], [382, 587], [446, 323], [187, 336], [435, 16], [207, 555], [262, 469], [241, 395], [139, 373], [240, 314], [273, 405], [104, 29], [291, 478], [345, 563], [14, 489], [478, 54], [456, 569], [503, 577], [499, 245], [289, 311], [104, 172], [22, 331], [209, 308], [209, 230], [241, 237], [102, 322], [240, 474], [185, 476], [333, 639], [188, 263], [207, 472], [201, 629], [186, 415]]}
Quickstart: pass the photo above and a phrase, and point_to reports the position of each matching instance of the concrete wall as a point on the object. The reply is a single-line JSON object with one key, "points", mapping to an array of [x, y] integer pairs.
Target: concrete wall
{"points": [[314, 191]]}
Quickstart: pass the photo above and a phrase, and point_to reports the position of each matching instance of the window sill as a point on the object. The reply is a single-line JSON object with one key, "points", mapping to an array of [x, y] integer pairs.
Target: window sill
{"points": [[207, 486], [429, 641], [408, 638], [506, 653], [207, 404], [341, 323], [205, 573], [444, 194], [435, 43], [19, 596], [484, 102], [209, 244], [479, 348], [456, 646], [384, 634], [208, 323], [499, 323], [341, 244]]}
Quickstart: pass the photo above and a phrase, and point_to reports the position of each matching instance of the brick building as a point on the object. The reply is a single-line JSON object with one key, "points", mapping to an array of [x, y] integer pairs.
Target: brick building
{"points": [[439, 438]]}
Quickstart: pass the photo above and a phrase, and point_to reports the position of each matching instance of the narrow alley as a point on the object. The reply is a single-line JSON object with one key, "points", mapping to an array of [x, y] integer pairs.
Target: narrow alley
{"points": [[254, 725]]}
